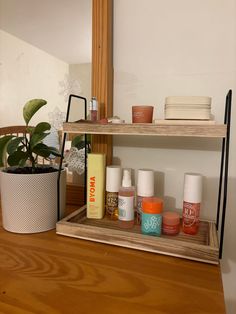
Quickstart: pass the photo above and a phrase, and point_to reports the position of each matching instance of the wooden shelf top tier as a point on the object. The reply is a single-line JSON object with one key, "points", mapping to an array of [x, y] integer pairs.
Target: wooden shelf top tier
{"points": [[201, 130]]}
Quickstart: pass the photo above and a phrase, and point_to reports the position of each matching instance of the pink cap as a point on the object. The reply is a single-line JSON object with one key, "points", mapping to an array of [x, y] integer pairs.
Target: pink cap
{"points": [[171, 218]]}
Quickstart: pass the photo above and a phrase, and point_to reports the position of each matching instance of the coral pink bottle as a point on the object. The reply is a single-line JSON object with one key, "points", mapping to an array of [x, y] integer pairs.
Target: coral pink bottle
{"points": [[191, 203], [93, 108], [126, 202]]}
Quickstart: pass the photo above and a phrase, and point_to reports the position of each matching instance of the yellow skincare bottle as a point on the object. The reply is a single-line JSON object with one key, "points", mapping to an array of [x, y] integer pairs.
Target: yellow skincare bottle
{"points": [[96, 186]]}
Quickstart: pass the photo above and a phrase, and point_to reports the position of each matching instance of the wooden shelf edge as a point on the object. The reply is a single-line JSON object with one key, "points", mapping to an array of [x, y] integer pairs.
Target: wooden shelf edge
{"points": [[161, 245], [147, 129]]}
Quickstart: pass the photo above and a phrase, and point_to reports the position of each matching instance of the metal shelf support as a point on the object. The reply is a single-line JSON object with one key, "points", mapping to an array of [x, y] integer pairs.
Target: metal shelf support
{"points": [[224, 167], [63, 148]]}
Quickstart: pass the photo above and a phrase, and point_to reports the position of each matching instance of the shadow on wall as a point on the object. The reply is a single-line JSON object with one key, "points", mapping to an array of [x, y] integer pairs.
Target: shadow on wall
{"points": [[202, 144], [228, 263], [159, 191], [210, 196], [230, 306], [229, 253]]}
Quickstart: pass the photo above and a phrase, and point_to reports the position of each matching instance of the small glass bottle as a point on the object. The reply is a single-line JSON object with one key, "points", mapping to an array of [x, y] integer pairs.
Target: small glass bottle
{"points": [[113, 184], [126, 202], [93, 109], [191, 203]]}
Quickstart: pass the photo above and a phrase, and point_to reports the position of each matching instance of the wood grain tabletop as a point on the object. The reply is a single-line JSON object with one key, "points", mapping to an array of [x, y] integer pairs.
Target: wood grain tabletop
{"points": [[49, 273]]}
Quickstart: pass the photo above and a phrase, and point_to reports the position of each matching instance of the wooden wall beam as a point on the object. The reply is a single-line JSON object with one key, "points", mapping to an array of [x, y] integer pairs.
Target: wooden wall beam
{"points": [[102, 82], [102, 69]]}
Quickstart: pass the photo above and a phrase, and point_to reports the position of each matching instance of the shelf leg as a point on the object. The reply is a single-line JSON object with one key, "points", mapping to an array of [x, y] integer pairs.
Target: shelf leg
{"points": [[226, 167], [62, 152]]}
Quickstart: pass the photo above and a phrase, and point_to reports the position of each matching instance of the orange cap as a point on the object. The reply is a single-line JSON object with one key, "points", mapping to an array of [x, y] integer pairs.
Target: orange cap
{"points": [[152, 205]]}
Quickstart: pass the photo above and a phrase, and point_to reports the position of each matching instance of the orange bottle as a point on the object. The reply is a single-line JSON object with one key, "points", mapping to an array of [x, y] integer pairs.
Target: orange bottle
{"points": [[191, 213]]}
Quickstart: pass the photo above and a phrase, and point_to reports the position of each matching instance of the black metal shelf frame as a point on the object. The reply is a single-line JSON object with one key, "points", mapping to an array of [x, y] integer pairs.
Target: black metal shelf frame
{"points": [[224, 170], [63, 148], [224, 167]]}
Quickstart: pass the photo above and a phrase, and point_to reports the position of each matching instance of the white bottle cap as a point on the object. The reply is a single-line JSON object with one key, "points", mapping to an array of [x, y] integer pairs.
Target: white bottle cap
{"points": [[113, 178], [145, 182], [193, 187], [126, 181]]}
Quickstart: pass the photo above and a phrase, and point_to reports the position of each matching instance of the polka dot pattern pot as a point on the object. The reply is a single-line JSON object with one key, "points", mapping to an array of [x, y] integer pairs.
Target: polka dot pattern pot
{"points": [[29, 201]]}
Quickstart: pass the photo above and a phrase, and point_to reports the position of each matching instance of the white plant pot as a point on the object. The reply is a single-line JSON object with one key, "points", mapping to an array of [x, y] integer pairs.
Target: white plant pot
{"points": [[29, 201]]}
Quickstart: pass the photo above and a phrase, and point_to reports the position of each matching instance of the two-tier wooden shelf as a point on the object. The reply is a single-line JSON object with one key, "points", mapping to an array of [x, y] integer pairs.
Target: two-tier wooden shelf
{"points": [[202, 247]]}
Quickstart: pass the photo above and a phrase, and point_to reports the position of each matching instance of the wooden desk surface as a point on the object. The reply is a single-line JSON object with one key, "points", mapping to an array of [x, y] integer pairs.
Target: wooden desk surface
{"points": [[48, 273]]}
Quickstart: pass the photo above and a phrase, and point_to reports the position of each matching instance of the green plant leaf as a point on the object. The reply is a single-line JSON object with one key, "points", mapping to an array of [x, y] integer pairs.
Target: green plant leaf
{"points": [[89, 138], [79, 141], [15, 158], [45, 151], [20, 147], [42, 127], [41, 150], [22, 162], [76, 140], [13, 145], [31, 107], [30, 129], [54, 151], [37, 138], [4, 141]]}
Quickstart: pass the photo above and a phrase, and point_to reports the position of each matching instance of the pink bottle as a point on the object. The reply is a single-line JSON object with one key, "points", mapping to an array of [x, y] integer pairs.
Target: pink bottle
{"points": [[93, 108], [126, 202], [191, 203]]}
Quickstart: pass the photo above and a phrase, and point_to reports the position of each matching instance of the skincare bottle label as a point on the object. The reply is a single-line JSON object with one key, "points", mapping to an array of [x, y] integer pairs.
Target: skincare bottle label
{"points": [[151, 224], [111, 202], [126, 208], [170, 229], [191, 213]]}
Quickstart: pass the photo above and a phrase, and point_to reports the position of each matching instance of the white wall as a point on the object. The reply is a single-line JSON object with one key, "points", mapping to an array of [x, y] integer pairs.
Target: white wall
{"points": [[167, 48], [80, 76], [27, 72]]}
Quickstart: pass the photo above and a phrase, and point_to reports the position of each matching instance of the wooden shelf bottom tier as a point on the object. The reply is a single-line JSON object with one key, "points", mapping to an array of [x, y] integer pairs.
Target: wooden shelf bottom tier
{"points": [[201, 247]]}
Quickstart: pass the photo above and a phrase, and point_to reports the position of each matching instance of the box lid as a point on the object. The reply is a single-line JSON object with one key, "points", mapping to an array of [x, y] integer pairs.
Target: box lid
{"points": [[188, 100]]}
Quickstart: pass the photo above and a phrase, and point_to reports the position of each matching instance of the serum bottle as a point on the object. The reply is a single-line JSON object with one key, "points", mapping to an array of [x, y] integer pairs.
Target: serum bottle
{"points": [[192, 202], [126, 201], [93, 109], [145, 188], [113, 184]]}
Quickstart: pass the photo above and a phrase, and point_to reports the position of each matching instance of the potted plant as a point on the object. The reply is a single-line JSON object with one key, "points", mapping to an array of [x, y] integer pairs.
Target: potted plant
{"points": [[28, 189]]}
